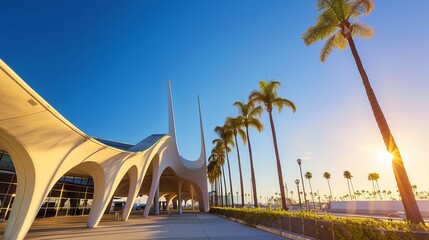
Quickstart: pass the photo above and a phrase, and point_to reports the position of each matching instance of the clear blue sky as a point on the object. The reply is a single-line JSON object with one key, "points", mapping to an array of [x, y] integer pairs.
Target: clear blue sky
{"points": [[104, 65]]}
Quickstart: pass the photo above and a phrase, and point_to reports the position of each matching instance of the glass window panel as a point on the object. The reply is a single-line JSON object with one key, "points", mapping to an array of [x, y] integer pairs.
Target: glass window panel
{"points": [[77, 180]]}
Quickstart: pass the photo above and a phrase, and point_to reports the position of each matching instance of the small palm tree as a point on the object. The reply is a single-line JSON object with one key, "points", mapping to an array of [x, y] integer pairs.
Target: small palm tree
{"points": [[219, 150], [309, 176], [327, 176], [338, 21], [217, 166], [235, 125], [347, 175], [267, 95], [249, 118], [213, 173]]}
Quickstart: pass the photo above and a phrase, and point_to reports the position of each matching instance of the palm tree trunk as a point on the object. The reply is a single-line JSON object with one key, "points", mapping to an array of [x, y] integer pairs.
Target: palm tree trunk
{"points": [[312, 195], [348, 184], [239, 169], [221, 191], [279, 167], [226, 189], [230, 179], [410, 205], [252, 171], [215, 196], [379, 192], [329, 185], [353, 189], [373, 186]]}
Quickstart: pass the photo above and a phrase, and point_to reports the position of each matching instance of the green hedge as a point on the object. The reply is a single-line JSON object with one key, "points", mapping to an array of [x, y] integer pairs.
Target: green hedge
{"points": [[343, 227]]}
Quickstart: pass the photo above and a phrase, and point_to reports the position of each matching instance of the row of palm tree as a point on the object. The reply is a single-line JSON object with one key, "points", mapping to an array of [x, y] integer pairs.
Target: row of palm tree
{"points": [[339, 23], [265, 97]]}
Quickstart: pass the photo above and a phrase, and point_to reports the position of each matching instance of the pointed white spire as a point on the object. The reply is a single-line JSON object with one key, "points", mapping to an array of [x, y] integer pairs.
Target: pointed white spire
{"points": [[203, 144], [171, 124]]}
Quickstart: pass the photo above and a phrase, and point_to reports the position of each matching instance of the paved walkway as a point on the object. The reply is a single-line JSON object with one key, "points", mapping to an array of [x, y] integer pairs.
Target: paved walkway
{"points": [[193, 226]]}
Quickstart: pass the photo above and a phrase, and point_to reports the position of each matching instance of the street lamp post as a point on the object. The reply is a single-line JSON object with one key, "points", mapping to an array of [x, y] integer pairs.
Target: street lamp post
{"points": [[299, 197], [302, 180]]}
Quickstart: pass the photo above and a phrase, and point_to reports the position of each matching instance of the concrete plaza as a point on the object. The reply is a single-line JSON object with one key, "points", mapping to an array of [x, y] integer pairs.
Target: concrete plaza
{"points": [[192, 226]]}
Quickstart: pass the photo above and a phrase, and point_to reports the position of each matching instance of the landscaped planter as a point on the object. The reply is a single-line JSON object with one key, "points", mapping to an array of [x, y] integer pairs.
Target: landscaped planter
{"points": [[296, 225], [327, 227], [324, 230], [285, 224], [310, 227]]}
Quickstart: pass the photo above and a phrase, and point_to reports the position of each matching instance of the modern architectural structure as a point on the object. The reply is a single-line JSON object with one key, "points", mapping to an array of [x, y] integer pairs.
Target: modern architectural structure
{"points": [[59, 170]]}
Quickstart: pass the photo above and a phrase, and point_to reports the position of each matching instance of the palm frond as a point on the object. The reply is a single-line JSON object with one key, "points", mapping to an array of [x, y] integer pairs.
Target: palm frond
{"points": [[360, 7], [340, 41], [242, 135], [256, 112], [362, 30], [327, 48], [269, 87], [253, 122], [317, 33], [255, 96], [241, 107], [282, 102], [322, 4]]}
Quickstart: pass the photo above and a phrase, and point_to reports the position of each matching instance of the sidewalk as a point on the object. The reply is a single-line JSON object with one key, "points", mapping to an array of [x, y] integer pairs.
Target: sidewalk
{"points": [[194, 226]]}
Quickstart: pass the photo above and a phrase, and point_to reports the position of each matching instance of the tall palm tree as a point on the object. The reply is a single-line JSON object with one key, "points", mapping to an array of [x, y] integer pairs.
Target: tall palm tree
{"points": [[338, 21], [327, 176], [219, 150], [309, 176], [225, 134], [347, 175], [235, 125], [267, 95], [249, 118]]}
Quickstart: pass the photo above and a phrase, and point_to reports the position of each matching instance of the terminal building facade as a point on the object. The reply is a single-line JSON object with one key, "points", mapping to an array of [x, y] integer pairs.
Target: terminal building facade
{"points": [[49, 168]]}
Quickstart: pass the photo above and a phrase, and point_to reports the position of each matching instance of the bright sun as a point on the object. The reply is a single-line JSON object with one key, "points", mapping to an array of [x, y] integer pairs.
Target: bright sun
{"points": [[385, 157]]}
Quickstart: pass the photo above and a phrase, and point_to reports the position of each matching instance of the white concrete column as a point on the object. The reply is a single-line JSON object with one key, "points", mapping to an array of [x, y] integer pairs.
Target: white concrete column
{"points": [[134, 189], [192, 198], [156, 175], [104, 189], [179, 196], [156, 201], [28, 199]]}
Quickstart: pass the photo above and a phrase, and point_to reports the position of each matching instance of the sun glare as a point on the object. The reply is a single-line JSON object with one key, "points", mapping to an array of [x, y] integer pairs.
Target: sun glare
{"points": [[385, 157]]}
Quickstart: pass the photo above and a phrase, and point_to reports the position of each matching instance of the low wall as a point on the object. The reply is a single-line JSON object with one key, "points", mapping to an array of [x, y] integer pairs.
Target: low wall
{"points": [[376, 207]]}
